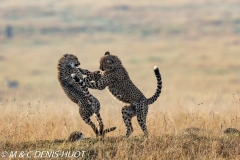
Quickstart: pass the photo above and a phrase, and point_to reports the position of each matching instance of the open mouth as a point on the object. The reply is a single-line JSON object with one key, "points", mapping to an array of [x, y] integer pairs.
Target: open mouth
{"points": [[74, 65]]}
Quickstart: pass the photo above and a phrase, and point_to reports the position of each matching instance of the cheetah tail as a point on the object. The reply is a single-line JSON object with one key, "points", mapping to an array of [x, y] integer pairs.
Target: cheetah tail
{"points": [[159, 87], [109, 130]]}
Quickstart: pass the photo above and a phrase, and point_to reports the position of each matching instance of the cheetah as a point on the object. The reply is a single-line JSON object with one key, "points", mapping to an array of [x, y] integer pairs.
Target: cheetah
{"points": [[78, 92], [75, 136], [115, 77], [231, 131]]}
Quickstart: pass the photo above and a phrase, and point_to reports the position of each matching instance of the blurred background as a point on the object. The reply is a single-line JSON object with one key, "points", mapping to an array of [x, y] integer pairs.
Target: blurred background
{"points": [[195, 44]]}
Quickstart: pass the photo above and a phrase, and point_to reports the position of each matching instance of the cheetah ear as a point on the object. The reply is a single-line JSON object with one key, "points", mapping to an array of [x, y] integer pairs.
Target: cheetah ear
{"points": [[65, 55], [107, 53]]}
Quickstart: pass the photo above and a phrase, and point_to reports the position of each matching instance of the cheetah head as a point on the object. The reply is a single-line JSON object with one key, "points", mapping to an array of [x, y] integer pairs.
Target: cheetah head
{"points": [[71, 60], [109, 62], [75, 136]]}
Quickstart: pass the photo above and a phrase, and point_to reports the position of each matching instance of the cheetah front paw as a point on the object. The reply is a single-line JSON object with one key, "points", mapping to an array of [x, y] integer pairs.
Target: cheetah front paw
{"points": [[94, 76]]}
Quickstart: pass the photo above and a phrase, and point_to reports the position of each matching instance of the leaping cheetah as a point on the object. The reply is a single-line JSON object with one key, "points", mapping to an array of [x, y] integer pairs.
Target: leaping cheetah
{"points": [[78, 93]]}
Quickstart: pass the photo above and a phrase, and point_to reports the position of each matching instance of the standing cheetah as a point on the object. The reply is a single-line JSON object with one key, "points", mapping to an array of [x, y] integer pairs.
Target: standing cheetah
{"points": [[116, 79], [78, 93]]}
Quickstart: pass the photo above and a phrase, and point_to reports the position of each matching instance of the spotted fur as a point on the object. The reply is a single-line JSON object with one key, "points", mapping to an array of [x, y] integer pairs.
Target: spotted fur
{"points": [[75, 136], [78, 92], [116, 79]]}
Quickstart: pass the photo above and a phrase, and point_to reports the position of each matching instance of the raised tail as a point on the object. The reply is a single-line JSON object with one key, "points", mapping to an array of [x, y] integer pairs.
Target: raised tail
{"points": [[152, 99]]}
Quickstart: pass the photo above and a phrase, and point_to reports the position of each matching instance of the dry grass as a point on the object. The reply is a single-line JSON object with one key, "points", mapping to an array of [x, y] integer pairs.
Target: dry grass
{"points": [[155, 147], [194, 44], [38, 128]]}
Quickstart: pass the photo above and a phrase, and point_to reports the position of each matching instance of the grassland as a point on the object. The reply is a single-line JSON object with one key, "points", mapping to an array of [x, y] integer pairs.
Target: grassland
{"points": [[196, 46]]}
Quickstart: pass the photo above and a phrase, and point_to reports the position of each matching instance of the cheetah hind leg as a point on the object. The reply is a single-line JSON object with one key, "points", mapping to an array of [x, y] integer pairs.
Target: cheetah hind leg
{"points": [[127, 113], [89, 122], [99, 119], [141, 112], [101, 131]]}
